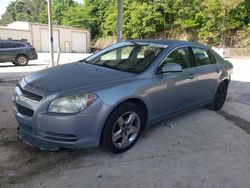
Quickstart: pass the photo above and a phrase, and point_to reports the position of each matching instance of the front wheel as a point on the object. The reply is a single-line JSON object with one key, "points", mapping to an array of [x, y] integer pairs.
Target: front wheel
{"points": [[123, 128], [220, 97]]}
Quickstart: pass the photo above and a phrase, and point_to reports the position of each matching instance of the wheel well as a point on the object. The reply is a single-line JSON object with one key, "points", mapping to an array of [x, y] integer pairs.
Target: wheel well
{"points": [[226, 81], [135, 101], [139, 103]]}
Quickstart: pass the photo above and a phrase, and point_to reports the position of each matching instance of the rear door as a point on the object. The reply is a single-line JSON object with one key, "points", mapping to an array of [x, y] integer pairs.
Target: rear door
{"points": [[207, 73]]}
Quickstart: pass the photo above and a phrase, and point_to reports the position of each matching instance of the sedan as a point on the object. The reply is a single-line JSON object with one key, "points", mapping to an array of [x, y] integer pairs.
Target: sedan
{"points": [[110, 97]]}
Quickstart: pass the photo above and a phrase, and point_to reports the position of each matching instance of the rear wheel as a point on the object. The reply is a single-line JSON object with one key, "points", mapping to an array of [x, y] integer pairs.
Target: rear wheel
{"points": [[123, 128], [21, 60], [220, 97]]}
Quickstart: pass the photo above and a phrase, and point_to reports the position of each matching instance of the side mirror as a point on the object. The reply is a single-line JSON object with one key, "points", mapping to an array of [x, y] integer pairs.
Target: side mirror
{"points": [[169, 67]]}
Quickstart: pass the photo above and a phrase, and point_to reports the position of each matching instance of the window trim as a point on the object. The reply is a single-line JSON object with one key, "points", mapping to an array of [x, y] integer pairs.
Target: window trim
{"points": [[176, 48]]}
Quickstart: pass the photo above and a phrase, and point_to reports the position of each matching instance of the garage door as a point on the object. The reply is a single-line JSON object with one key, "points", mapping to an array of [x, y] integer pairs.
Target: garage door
{"points": [[79, 40], [45, 40]]}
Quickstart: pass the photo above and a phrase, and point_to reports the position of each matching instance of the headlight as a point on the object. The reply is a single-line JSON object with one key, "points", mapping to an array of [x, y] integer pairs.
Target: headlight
{"points": [[71, 104]]}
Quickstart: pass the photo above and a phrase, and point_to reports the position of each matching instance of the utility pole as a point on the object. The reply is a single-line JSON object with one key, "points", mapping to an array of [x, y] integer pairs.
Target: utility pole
{"points": [[52, 63], [119, 22]]}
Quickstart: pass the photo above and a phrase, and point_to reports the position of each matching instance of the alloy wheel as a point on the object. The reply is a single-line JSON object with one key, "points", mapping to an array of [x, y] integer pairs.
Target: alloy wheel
{"points": [[126, 129], [22, 60]]}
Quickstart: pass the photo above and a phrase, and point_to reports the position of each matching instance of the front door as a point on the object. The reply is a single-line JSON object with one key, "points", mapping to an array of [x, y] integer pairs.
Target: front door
{"points": [[173, 92]]}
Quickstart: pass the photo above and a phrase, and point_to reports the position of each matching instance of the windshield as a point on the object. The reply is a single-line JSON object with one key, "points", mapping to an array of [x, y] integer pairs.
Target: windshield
{"points": [[129, 57]]}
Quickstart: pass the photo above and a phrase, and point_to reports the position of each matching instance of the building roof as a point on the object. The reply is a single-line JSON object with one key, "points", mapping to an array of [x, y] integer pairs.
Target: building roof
{"points": [[19, 25]]}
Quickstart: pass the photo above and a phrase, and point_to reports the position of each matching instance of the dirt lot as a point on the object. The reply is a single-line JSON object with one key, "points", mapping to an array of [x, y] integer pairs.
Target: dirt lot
{"points": [[202, 149]]}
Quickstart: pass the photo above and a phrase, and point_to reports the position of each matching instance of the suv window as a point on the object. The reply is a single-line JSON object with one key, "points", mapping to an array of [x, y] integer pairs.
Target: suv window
{"points": [[17, 45], [203, 57], [179, 56], [6, 45]]}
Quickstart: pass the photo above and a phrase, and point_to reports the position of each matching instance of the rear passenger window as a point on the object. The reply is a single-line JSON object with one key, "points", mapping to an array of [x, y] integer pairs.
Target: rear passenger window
{"points": [[179, 56], [214, 61], [203, 57], [6, 45], [17, 45]]}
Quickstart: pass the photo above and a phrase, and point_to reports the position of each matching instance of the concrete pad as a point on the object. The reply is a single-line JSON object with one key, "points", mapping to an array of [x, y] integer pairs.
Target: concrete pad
{"points": [[202, 149], [196, 152], [238, 109], [8, 71]]}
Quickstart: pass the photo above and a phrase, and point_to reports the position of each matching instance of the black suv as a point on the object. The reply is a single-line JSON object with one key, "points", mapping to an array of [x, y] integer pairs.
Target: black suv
{"points": [[17, 52]]}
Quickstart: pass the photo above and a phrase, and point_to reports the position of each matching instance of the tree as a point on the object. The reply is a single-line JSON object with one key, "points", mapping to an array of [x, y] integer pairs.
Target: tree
{"points": [[59, 8], [6, 19], [227, 6], [211, 21], [23, 10], [89, 15], [35, 7], [142, 20]]}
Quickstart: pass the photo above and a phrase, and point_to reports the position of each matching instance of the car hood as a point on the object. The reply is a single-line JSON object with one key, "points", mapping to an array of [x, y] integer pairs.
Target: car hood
{"points": [[74, 75]]}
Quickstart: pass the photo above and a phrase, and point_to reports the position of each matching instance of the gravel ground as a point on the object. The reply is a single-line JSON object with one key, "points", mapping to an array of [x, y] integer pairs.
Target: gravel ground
{"points": [[202, 149]]}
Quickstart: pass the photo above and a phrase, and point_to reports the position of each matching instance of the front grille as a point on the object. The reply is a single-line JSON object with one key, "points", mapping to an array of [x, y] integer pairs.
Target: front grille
{"points": [[24, 110], [30, 95]]}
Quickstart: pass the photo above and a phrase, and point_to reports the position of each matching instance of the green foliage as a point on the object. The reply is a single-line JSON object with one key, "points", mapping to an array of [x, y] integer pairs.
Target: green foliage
{"points": [[6, 19], [211, 21], [59, 9], [142, 20], [108, 27], [23, 10], [248, 37]]}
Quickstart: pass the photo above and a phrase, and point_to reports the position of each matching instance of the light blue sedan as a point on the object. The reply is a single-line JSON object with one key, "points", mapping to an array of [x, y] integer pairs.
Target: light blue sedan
{"points": [[110, 97]]}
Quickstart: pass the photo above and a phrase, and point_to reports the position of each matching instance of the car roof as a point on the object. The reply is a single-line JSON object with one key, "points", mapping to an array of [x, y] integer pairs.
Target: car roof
{"points": [[170, 43], [14, 41]]}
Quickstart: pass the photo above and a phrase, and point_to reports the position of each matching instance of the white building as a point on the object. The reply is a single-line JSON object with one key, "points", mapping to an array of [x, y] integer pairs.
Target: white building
{"points": [[68, 39]]}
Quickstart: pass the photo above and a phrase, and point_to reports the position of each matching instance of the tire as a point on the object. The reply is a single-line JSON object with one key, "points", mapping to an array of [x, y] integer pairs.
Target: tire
{"points": [[123, 128], [220, 97], [22, 60]]}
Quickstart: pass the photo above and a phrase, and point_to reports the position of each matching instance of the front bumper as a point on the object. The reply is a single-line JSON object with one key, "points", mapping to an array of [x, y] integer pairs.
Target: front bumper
{"points": [[51, 131]]}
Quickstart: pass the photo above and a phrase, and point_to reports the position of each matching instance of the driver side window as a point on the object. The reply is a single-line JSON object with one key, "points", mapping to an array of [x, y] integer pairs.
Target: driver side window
{"points": [[179, 56]]}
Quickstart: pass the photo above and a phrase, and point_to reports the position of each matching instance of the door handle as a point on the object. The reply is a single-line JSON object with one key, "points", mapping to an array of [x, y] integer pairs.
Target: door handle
{"points": [[191, 76], [218, 70]]}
